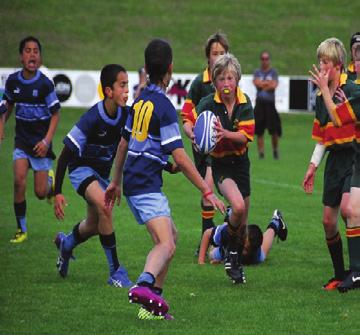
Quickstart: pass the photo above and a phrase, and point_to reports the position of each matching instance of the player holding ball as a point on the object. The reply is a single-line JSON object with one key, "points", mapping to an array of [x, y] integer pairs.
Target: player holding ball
{"points": [[230, 162]]}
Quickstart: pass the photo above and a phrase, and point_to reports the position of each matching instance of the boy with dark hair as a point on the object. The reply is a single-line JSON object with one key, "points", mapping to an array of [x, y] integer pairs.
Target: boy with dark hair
{"points": [[354, 42], [215, 46], [331, 55], [257, 245], [152, 133], [37, 116], [89, 152]]}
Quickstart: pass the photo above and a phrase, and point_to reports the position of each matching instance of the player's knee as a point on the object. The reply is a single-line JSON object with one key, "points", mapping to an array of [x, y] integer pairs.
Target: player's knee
{"points": [[353, 215], [170, 247], [330, 225], [19, 183]]}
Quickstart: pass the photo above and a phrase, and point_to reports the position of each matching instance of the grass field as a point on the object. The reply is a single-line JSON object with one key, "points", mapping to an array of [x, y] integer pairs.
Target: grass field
{"points": [[88, 34], [282, 296]]}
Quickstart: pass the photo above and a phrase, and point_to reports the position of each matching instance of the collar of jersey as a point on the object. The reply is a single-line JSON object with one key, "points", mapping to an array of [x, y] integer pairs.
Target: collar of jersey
{"points": [[29, 81], [155, 88], [343, 79], [105, 117], [240, 97], [351, 67], [206, 76]]}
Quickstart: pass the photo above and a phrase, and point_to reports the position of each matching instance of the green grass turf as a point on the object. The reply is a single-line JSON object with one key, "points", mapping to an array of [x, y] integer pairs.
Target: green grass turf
{"points": [[282, 296], [88, 34]]}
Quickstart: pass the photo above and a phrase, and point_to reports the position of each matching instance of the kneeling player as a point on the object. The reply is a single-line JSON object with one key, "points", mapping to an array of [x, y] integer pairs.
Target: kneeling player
{"points": [[256, 247], [89, 152]]}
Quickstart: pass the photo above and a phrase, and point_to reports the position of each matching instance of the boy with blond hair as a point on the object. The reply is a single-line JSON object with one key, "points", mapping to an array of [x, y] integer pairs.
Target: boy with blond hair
{"points": [[331, 55]]}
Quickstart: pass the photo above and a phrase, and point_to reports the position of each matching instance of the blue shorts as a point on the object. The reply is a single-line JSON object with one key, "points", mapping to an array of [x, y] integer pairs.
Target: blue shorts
{"points": [[36, 163], [218, 255], [82, 176], [148, 206]]}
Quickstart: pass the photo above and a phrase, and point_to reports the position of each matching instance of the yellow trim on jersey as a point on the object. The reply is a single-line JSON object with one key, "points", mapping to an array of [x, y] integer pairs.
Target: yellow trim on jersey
{"points": [[351, 67], [206, 76], [342, 81], [251, 138], [240, 97], [247, 123], [357, 81], [339, 141]]}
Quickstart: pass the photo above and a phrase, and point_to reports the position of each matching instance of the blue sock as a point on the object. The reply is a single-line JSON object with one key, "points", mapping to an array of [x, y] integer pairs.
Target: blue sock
{"points": [[108, 242], [275, 225], [146, 279], [20, 212]]}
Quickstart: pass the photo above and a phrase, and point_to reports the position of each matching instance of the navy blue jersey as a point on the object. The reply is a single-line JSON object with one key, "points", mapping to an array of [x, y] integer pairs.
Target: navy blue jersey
{"points": [[35, 101], [95, 137], [153, 133]]}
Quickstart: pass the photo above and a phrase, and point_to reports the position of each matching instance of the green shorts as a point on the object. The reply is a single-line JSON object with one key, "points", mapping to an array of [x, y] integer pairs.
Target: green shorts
{"points": [[337, 175], [355, 179], [236, 168], [201, 162]]}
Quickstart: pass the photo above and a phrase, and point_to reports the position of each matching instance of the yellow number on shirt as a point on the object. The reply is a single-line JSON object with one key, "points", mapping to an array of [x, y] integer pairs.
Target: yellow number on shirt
{"points": [[143, 113]]}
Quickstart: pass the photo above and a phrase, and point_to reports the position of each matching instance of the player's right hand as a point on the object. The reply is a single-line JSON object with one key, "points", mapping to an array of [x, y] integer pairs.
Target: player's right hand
{"points": [[112, 195], [308, 182], [59, 205]]}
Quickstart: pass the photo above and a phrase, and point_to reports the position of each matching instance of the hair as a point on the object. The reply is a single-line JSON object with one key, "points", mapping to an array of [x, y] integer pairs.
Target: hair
{"points": [[355, 38], [28, 39], [265, 52], [226, 62], [109, 74], [255, 237], [218, 37], [158, 58], [332, 49]]}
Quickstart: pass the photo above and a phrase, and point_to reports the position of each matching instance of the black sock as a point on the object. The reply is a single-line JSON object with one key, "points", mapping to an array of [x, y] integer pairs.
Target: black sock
{"points": [[20, 214], [336, 252], [207, 215], [108, 242]]}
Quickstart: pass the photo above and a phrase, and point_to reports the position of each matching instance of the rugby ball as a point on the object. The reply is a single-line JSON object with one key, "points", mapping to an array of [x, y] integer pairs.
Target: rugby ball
{"points": [[204, 132]]}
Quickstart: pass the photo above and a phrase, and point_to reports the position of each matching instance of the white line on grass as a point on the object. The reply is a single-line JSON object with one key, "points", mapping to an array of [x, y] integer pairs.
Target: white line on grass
{"points": [[282, 185]]}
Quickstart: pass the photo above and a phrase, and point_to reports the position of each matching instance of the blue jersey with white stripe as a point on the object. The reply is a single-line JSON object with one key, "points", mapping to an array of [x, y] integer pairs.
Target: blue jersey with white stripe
{"points": [[35, 101], [153, 133], [95, 137]]}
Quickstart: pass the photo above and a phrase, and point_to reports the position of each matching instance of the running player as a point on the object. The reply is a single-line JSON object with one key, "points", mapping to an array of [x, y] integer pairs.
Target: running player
{"points": [[89, 152], [37, 116], [230, 162], [153, 134]]}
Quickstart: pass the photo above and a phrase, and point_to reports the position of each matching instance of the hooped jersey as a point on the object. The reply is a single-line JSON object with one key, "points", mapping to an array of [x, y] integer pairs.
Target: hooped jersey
{"points": [[35, 101], [94, 139], [324, 130], [242, 120], [153, 132]]}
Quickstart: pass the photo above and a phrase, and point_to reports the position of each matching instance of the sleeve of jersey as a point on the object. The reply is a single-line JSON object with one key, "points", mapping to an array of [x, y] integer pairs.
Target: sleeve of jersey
{"points": [[170, 132], [317, 132], [52, 100], [76, 139], [6, 98], [128, 127], [348, 112], [188, 113], [247, 125]]}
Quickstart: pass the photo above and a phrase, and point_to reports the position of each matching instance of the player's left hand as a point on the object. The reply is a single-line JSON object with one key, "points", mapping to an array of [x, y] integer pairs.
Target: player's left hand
{"points": [[220, 131], [215, 202], [340, 95], [320, 78], [40, 149]]}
